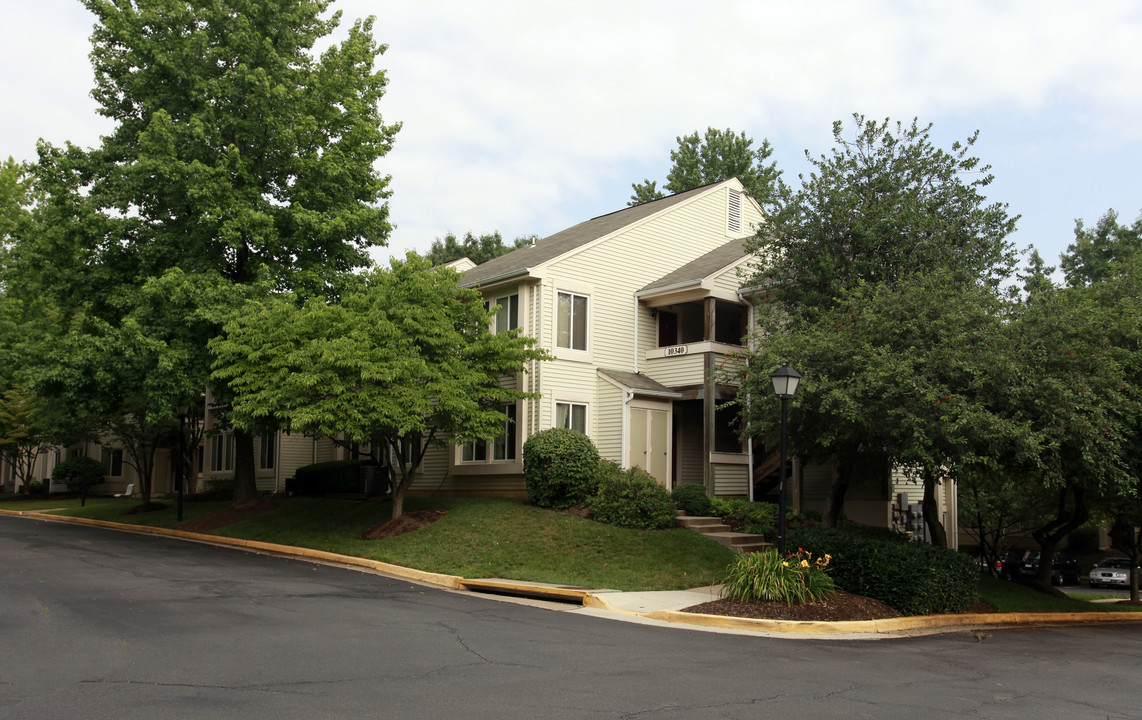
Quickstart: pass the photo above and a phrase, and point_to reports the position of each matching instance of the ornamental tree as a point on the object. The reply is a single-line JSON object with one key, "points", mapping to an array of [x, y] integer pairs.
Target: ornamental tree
{"points": [[405, 361]]}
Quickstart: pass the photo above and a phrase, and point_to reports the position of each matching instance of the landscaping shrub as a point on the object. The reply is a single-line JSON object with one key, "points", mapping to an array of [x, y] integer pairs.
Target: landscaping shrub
{"points": [[910, 577], [691, 498], [559, 467], [632, 499], [766, 576], [339, 476], [758, 518], [77, 472]]}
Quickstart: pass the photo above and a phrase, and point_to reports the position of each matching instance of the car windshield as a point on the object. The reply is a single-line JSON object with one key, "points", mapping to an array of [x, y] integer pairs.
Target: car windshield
{"points": [[1117, 563]]}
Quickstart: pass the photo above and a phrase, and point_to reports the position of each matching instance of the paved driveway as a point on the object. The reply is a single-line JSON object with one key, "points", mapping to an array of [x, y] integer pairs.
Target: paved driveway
{"points": [[103, 624]]}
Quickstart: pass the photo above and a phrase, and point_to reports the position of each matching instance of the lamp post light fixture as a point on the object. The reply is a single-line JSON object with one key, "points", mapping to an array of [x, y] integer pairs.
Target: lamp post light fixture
{"points": [[785, 380]]}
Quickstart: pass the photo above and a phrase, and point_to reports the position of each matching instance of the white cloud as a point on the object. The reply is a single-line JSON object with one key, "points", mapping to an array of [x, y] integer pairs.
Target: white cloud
{"points": [[528, 116]]}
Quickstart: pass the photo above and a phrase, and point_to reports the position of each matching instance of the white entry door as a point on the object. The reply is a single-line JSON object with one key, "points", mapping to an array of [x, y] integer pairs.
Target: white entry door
{"points": [[650, 442]]}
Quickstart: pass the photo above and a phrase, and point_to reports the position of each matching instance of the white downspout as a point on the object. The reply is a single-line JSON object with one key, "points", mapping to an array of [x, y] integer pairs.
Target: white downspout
{"points": [[626, 428]]}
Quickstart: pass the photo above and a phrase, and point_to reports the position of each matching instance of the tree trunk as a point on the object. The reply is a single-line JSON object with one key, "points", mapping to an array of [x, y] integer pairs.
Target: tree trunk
{"points": [[932, 511], [1065, 522], [245, 479], [399, 491], [835, 503]]}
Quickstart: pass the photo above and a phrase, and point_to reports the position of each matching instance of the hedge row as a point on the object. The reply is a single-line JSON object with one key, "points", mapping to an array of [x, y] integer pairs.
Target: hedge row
{"points": [[910, 577]]}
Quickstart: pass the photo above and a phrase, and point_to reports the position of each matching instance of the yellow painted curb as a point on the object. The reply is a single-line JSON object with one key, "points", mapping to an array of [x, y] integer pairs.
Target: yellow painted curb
{"points": [[446, 581], [893, 625], [510, 587], [589, 599]]}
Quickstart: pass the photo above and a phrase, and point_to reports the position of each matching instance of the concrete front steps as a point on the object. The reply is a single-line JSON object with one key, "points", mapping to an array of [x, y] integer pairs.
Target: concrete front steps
{"points": [[714, 528]]}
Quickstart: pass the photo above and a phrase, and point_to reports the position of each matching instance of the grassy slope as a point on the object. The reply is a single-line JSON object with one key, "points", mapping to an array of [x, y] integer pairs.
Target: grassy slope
{"points": [[474, 538], [506, 539]]}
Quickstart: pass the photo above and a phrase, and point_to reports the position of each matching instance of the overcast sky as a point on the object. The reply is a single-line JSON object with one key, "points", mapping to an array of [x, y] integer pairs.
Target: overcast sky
{"points": [[530, 116]]}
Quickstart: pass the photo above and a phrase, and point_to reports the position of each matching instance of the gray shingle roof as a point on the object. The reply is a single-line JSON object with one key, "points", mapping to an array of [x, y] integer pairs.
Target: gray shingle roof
{"points": [[638, 382], [697, 270], [552, 246]]}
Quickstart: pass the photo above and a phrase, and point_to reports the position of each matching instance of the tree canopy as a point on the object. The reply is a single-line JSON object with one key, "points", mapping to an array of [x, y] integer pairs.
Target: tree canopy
{"points": [[477, 249], [881, 275], [403, 362], [880, 206], [713, 157], [239, 156]]}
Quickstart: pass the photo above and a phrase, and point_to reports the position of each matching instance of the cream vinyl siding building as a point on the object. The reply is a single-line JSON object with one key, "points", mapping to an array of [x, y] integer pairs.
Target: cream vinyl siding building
{"points": [[595, 296]]}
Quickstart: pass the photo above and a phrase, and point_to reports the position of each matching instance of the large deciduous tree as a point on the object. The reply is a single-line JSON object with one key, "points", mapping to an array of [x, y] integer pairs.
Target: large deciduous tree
{"points": [[885, 221], [403, 362], [237, 153], [713, 157]]}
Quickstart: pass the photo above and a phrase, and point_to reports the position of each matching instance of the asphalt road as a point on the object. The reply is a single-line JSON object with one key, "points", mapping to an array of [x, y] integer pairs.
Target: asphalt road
{"points": [[103, 624]]}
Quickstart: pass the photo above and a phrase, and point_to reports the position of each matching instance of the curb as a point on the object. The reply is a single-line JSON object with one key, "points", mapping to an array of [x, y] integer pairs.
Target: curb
{"points": [[596, 599], [446, 581]]}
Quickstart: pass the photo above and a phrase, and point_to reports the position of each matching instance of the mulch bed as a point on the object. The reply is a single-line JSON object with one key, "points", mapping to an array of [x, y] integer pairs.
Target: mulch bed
{"points": [[841, 606], [407, 522]]}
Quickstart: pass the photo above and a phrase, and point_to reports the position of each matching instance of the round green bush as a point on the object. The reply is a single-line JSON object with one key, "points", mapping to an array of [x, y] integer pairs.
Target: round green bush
{"points": [[77, 472], [632, 499], [691, 498], [910, 577], [758, 518], [559, 467]]}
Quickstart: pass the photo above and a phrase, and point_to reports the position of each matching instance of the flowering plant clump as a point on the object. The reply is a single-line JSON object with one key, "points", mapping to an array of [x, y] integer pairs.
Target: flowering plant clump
{"points": [[793, 580]]}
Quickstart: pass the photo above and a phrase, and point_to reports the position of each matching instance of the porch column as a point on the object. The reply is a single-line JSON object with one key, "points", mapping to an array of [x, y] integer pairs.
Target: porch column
{"points": [[709, 402]]}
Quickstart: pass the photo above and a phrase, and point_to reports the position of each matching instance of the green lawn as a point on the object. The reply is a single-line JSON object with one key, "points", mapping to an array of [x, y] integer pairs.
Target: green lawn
{"points": [[503, 539], [1013, 597], [474, 538]]}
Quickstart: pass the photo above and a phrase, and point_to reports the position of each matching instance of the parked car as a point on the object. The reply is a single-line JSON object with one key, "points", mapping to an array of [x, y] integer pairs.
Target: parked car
{"points": [[1064, 568], [1110, 572], [1007, 565]]}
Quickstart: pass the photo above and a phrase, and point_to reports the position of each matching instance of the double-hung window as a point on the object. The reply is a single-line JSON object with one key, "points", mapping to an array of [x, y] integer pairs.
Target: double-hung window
{"points": [[571, 327], [222, 452], [502, 447], [571, 415], [112, 462], [268, 451], [507, 317]]}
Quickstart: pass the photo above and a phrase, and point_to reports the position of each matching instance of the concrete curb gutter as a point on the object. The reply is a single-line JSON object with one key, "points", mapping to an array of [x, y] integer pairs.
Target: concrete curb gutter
{"points": [[438, 579], [597, 599]]}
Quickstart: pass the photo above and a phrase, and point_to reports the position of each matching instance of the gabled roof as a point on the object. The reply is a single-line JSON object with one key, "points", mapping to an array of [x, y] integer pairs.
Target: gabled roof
{"points": [[519, 261], [697, 270]]}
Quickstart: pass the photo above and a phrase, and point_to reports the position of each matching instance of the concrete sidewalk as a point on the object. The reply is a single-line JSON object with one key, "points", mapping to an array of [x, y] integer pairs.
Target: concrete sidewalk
{"points": [[654, 607]]}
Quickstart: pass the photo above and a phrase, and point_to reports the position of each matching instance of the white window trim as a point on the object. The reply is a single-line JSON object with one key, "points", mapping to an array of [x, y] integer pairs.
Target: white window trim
{"points": [[567, 353], [586, 404], [272, 456], [489, 465], [493, 302]]}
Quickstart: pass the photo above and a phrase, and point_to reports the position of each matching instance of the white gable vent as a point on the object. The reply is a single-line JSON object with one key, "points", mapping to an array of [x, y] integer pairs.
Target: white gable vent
{"points": [[734, 213]]}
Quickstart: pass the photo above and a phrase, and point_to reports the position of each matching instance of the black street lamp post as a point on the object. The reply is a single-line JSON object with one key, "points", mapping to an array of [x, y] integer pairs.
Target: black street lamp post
{"points": [[785, 381]]}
